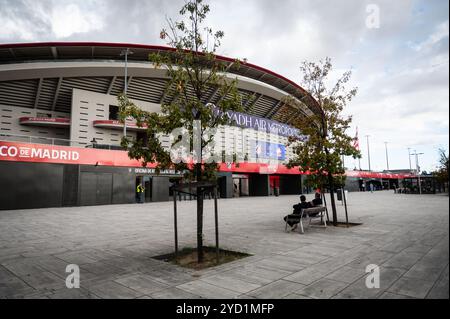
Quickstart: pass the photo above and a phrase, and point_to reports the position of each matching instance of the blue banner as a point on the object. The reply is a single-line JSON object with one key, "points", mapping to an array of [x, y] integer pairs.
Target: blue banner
{"points": [[267, 150]]}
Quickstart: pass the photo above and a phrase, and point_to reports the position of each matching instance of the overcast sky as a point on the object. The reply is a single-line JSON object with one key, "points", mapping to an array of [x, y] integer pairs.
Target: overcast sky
{"points": [[401, 64]]}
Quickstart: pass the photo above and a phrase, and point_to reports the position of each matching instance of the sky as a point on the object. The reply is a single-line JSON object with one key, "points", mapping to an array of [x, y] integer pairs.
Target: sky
{"points": [[398, 52]]}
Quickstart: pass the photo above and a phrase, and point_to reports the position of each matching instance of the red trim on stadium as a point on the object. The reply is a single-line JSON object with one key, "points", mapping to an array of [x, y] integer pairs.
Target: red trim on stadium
{"points": [[40, 153]]}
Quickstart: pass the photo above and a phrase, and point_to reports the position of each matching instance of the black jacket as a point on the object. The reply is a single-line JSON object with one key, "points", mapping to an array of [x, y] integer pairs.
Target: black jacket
{"points": [[298, 207]]}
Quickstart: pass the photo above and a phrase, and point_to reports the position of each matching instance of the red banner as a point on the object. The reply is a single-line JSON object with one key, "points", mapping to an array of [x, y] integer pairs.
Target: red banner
{"points": [[40, 153], [23, 152]]}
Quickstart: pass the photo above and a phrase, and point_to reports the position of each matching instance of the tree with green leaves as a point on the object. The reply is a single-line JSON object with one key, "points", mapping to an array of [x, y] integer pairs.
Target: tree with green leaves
{"points": [[441, 174], [193, 72], [320, 153]]}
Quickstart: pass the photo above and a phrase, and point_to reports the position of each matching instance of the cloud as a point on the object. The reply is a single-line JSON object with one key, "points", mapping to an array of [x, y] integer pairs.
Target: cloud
{"points": [[30, 20], [440, 33], [70, 18]]}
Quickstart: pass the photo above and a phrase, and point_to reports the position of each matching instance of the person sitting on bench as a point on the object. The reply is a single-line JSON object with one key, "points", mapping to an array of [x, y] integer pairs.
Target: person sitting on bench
{"points": [[294, 218], [317, 201]]}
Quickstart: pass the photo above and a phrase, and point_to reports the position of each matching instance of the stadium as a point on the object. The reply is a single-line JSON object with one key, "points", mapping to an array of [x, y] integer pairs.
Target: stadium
{"points": [[60, 134]]}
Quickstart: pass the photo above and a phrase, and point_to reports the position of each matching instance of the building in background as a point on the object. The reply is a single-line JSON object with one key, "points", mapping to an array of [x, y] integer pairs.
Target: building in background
{"points": [[60, 134]]}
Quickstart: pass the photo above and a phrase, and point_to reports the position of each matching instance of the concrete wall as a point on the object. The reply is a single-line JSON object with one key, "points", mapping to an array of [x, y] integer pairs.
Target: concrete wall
{"points": [[9, 124], [90, 106], [30, 185], [160, 188]]}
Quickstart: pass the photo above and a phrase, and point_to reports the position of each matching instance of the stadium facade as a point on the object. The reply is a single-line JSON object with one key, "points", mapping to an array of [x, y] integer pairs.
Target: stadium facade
{"points": [[60, 134]]}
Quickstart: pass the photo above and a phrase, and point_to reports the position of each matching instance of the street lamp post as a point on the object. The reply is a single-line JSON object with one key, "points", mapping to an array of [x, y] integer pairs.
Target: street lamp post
{"points": [[418, 169], [387, 157], [125, 53], [409, 158], [368, 150]]}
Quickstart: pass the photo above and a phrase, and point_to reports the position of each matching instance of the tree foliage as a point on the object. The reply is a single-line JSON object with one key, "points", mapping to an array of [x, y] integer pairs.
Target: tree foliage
{"points": [[442, 173], [327, 141], [195, 75]]}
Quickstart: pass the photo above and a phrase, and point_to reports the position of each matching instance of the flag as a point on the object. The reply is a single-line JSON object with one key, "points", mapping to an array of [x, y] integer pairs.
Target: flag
{"points": [[356, 140]]}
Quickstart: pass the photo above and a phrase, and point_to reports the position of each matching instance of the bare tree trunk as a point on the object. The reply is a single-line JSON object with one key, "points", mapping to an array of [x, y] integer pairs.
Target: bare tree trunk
{"points": [[333, 203], [199, 215]]}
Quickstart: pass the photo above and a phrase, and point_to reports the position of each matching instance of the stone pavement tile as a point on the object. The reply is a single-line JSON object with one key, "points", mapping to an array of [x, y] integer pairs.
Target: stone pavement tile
{"points": [[121, 238], [131, 264], [403, 260], [113, 290], [276, 290], [244, 296], [437, 261], [359, 290], [315, 249], [377, 258], [4, 259], [74, 293], [413, 287], [281, 263], [141, 283], [22, 266], [44, 279], [418, 248], [268, 272], [254, 277], [5, 274], [53, 265], [100, 268], [389, 295], [206, 290], [14, 287], [170, 277], [36, 294], [174, 293], [440, 289], [100, 254], [74, 257], [296, 296], [323, 289], [307, 275], [305, 258], [230, 282], [8, 252], [431, 239], [45, 251], [347, 274], [424, 270]]}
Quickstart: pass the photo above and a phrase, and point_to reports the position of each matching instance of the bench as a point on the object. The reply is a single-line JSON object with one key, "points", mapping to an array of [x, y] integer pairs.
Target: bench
{"points": [[313, 212]]}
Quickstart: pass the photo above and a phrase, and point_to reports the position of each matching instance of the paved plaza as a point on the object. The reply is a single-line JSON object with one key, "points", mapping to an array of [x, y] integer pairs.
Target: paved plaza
{"points": [[407, 236]]}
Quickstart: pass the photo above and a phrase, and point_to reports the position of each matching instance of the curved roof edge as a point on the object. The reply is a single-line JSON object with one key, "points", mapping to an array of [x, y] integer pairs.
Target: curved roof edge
{"points": [[8, 54]]}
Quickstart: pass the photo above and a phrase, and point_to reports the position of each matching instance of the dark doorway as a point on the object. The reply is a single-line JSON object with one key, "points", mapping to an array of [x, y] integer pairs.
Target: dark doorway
{"points": [[148, 189], [240, 185]]}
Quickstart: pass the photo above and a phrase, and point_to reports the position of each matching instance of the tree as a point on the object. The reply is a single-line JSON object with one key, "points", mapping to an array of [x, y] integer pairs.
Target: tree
{"points": [[193, 73], [442, 173], [326, 139]]}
